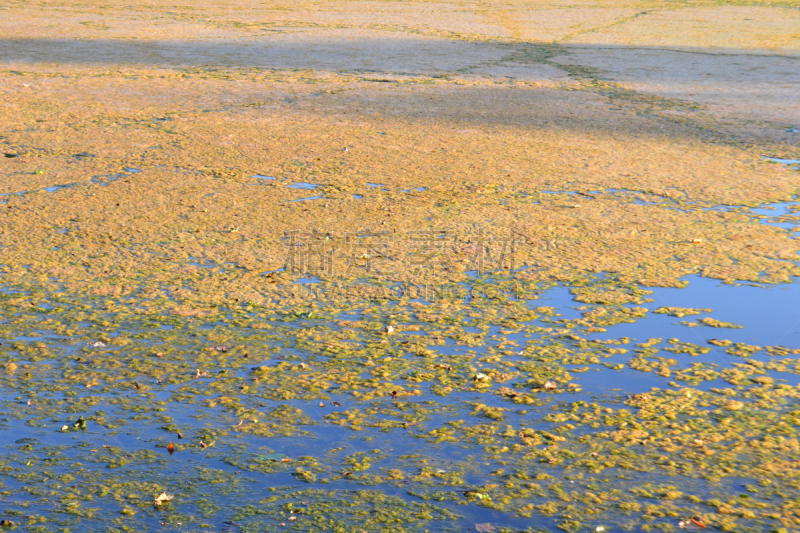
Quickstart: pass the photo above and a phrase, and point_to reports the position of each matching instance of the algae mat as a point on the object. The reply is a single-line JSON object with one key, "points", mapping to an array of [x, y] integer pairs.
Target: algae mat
{"points": [[398, 266]]}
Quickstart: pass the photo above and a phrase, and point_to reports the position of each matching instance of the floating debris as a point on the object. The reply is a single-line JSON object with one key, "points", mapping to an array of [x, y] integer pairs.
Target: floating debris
{"points": [[162, 499]]}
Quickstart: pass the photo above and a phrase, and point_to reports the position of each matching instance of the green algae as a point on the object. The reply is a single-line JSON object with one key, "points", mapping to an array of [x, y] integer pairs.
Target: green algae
{"points": [[150, 318], [554, 452]]}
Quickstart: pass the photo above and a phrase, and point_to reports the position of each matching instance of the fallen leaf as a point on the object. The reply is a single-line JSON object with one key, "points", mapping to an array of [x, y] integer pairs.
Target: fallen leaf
{"points": [[697, 522], [161, 498], [693, 524]]}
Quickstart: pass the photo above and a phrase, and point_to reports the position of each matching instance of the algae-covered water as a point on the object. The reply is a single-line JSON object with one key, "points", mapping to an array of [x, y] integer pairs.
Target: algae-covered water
{"points": [[524, 410], [399, 266]]}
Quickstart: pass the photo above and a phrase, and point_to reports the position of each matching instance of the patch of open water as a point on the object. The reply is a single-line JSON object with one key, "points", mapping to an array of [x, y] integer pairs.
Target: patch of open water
{"points": [[794, 164], [302, 185], [101, 180]]}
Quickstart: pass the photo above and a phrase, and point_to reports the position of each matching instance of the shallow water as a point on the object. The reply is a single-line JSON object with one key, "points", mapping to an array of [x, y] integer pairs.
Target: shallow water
{"points": [[101, 180], [399, 452], [150, 341], [302, 185], [317, 197], [783, 161], [785, 215]]}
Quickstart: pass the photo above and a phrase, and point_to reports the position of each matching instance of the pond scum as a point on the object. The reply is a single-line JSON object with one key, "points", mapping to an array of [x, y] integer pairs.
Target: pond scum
{"points": [[316, 418], [193, 340]]}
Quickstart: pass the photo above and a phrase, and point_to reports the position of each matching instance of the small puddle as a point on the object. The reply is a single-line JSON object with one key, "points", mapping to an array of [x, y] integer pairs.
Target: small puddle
{"points": [[785, 215], [318, 197], [307, 281], [105, 179], [791, 163], [302, 185], [572, 193], [51, 188], [101, 180], [54, 188]]}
